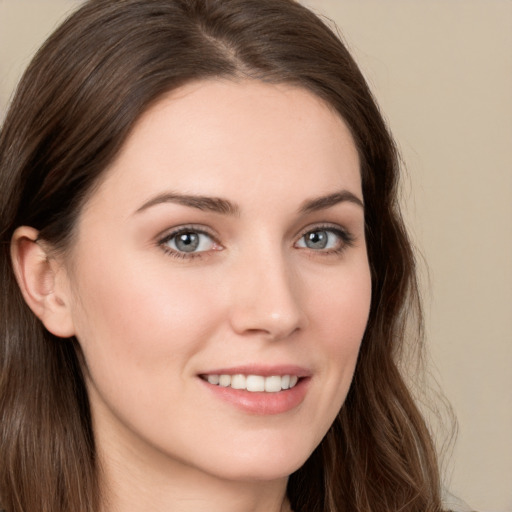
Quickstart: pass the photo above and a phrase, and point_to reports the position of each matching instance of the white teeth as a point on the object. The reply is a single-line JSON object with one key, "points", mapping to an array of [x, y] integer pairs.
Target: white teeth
{"points": [[273, 384], [225, 381], [238, 381], [254, 383], [213, 379]]}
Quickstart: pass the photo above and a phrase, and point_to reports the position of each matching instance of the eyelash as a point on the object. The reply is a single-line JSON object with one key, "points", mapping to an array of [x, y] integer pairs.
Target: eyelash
{"points": [[182, 231], [346, 240]]}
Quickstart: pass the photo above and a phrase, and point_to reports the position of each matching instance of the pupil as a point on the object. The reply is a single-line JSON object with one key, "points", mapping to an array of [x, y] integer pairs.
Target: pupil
{"points": [[317, 240], [187, 242]]}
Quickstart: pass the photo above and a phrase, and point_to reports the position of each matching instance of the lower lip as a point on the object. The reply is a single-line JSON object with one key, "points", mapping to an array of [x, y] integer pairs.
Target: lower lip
{"points": [[262, 403]]}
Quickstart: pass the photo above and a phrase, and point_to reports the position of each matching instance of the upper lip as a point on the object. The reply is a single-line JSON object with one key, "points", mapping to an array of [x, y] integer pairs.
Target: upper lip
{"points": [[263, 370]]}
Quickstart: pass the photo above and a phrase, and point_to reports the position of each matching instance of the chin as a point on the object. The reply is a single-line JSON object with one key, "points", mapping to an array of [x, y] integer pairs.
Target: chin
{"points": [[262, 464]]}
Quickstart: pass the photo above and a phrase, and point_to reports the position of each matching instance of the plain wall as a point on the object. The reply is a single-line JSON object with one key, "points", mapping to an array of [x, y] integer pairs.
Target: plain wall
{"points": [[442, 73]]}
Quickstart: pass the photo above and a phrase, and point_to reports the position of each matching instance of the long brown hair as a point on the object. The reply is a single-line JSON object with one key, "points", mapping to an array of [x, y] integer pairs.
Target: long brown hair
{"points": [[73, 109]]}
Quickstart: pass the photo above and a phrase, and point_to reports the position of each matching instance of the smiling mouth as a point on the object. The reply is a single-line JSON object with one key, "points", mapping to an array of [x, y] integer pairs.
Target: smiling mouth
{"points": [[253, 383]]}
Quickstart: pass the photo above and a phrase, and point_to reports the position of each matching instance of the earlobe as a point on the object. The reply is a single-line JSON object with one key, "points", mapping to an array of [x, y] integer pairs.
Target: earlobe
{"points": [[40, 278]]}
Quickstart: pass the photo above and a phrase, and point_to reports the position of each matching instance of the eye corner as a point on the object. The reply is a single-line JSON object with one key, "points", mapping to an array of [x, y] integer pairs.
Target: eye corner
{"points": [[325, 239], [195, 242]]}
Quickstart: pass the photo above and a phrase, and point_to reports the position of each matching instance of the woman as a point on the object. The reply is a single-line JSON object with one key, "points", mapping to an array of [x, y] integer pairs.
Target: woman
{"points": [[206, 275]]}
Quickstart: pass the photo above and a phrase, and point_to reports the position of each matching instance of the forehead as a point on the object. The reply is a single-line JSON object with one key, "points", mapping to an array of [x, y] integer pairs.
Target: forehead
{"points": [[232, 138]]}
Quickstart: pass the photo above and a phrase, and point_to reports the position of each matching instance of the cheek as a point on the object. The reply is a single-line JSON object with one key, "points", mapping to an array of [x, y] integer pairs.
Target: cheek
{"points": [[341, 307], [131, 316], [340, 317]]}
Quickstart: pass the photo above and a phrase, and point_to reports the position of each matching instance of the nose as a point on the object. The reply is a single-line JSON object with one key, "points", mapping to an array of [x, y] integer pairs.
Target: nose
{"points": [[267, 298]]}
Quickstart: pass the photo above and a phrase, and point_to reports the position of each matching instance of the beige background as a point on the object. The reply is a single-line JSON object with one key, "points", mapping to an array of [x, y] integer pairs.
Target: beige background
{"points": [[442, 72]]}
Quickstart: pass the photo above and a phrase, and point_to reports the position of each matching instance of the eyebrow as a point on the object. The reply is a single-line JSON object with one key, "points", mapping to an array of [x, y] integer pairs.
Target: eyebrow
{"points": [[225, 207], [324, 202], [211, 204]]}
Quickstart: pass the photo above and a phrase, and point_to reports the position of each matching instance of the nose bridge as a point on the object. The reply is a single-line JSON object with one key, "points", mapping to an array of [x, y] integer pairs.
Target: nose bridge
{"points": [[266, 294]]}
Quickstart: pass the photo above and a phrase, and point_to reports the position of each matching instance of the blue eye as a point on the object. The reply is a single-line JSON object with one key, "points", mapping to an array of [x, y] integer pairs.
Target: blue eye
{"points": [[187, 241], [325, 239]]}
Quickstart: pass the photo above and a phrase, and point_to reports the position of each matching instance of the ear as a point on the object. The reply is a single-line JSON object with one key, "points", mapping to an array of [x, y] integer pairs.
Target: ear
{"points": [[43, 281]]}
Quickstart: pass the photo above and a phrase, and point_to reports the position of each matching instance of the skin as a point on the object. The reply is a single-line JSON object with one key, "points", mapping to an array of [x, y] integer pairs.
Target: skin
{"points": [[150, 319]]}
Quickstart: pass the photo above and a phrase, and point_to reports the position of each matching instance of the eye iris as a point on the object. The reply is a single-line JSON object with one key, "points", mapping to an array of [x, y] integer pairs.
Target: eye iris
{"points": [[187, 242], [317, 239]]}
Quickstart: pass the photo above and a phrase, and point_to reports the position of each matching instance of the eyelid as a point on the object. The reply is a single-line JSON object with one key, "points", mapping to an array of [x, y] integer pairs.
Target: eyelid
{"points": [[169, 234], [347, 238], [327, 226], [183, 228]]}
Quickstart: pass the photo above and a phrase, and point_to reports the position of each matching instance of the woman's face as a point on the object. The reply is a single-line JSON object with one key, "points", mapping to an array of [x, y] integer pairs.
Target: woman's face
{"points": [[223, 250]]}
